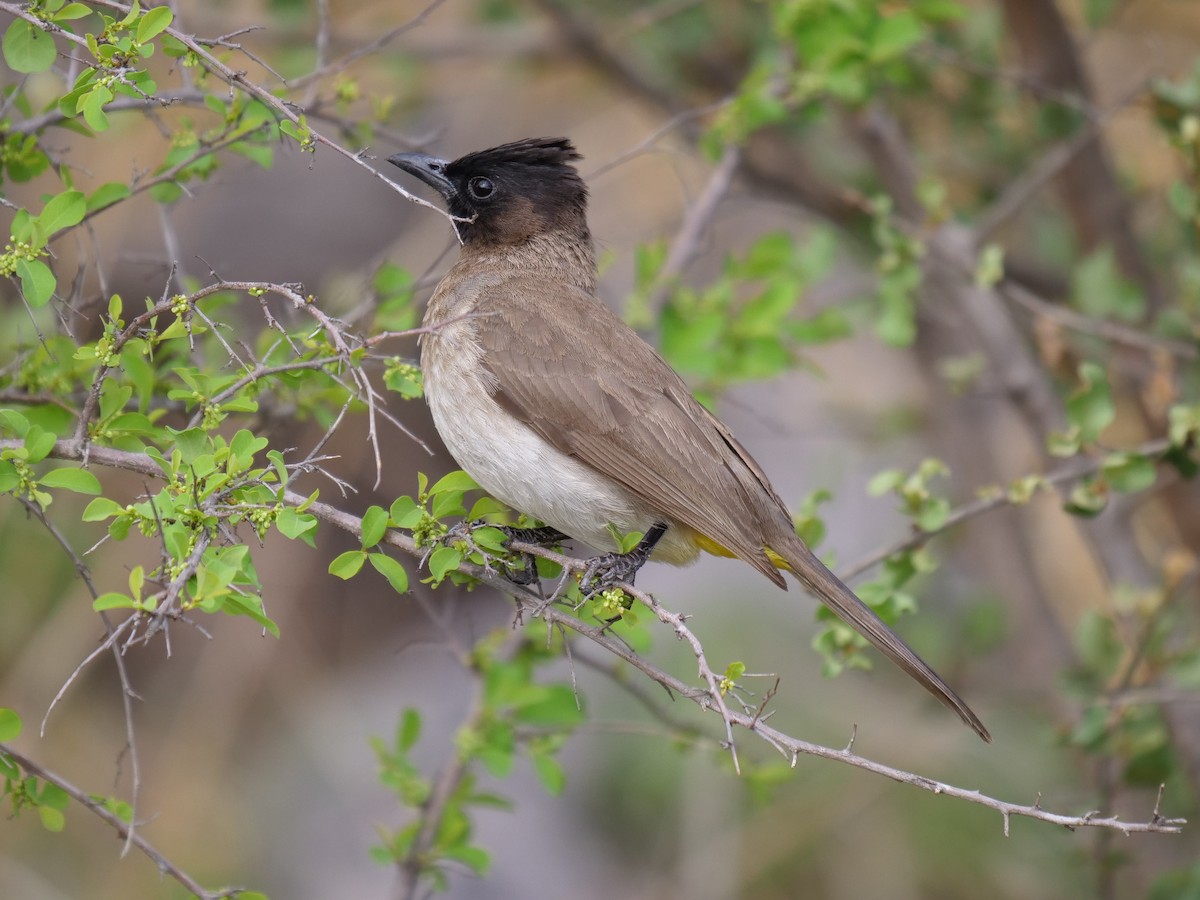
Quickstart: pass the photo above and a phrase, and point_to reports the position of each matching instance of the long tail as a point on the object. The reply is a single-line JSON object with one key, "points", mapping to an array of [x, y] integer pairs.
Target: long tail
{"points": [[827, 588]]}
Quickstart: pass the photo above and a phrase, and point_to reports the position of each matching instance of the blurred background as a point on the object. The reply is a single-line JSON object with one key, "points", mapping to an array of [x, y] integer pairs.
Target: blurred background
{"points": [[255, 751]]}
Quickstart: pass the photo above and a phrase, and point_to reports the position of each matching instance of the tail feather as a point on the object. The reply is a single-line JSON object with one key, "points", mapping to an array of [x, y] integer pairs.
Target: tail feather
{"points": [[827, 588]]}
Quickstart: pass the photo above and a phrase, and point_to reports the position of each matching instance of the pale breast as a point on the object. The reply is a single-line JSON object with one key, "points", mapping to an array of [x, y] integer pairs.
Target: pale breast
{"points": [[515, 465]]}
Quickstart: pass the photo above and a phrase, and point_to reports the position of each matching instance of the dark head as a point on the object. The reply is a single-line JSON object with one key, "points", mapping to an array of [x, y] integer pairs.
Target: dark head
{"points": [[511, 192]]}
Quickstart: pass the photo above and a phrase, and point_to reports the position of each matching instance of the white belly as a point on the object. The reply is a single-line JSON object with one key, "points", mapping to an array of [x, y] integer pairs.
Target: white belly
{"points": [[516, 466]]}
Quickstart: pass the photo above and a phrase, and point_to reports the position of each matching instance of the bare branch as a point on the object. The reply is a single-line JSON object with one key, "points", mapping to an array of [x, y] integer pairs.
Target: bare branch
{"points": [[124, 829]]}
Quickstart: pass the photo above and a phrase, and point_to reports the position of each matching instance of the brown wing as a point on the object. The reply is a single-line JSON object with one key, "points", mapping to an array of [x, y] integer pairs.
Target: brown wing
{"points": [[569, 368], [585, 382]]}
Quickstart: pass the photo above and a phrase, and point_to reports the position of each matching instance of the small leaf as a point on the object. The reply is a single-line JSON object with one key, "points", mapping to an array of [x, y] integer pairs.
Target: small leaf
{"points": [[885, 481], [293, 524], [112, 600], [93, 107], [9, 476], [442, 561], [455, 481], [72, 11], [1129, 472], [374, 526], [10, 724], [1090, 408], [405, 513], [38, 443], [153, 23], [408, 732], [37, 281], [474, 858], [107, 195], [81, 481], [62, 211], [391, 570], [549, 773], [27, 48], [191, 443], [52, 819], [347, 564], [53, 796]]}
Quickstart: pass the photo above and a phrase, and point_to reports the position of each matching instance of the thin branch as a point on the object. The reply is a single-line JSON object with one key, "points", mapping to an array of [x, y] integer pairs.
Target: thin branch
{"points": [[282, 109], [687, 240], [1076, 468], [124, 829], [368, 49], [127, 693], [751, 719], [1033, 178], [1113, 332]]}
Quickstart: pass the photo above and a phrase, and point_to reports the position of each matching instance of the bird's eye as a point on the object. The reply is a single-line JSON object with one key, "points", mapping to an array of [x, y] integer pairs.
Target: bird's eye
{"points": [[480, 188]]}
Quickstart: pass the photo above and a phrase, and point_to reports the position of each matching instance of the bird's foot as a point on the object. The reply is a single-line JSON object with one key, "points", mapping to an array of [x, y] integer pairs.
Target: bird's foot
{"points": [[612, 569], [544, 536], [522, 569]]}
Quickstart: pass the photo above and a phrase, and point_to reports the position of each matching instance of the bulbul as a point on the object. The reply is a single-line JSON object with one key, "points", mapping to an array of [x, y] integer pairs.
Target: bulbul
{"points": [[558, 408]]}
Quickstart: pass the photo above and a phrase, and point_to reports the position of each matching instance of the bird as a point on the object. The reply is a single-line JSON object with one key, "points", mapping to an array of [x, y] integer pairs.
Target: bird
{"points": [[558, 408]]}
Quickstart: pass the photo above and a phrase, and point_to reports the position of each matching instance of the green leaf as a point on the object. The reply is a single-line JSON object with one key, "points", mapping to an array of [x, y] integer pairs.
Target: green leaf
{"points": [[1129, 472], [766, 257], [38, 443], [474, 858], [346, 565], [884, 482], [250, 605], [455, 481], [408, 732], [555, 706], [113, 600], [191, 443], [81, 481], [1088, 498], [763, 314], [1098, 643], [37, 281], [27, 48], [10, 724], [107, 195], [442, 561], [405, 512], [1101, 292], [293, 524], [93, 107], [72, 11], [62, 211], [13, 421], [391, 570], [53, 796], [52, 819], [1090, 408], [894, 34], [374, 526], [933, 514], [9, 476], [153, 23], [549, 773]]}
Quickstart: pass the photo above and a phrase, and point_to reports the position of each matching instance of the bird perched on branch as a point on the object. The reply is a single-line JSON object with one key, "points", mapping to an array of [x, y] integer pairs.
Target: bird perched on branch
{"points": [[558, 408]]}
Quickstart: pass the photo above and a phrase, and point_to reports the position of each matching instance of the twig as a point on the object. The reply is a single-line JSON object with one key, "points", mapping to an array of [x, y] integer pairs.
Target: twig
{"points": [[124, 829], [1076, 468], [127, 693], [701, 696], [1102, 328], [687, 239]]}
